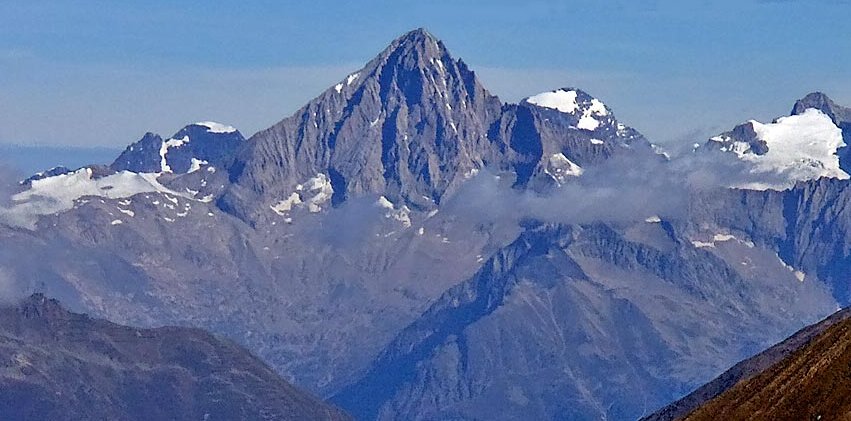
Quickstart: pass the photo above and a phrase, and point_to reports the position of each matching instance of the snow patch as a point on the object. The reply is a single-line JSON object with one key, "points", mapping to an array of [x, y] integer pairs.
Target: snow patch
{"points": [[165, 146], [321, 185], [284, 206], [721, 238], [701, 244], [598, 108], [402, 214], [59, 193], [564, 101], [196, 165], [799, 275], [351, 78], [214, 127], [586, 122], [560, 168]]}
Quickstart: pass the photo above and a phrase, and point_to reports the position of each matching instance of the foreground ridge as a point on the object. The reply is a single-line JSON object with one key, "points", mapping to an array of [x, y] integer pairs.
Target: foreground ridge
{"points": [[63, 365]]}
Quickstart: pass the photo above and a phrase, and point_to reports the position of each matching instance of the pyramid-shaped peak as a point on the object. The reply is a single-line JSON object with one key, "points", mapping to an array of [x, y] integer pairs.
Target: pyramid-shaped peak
{"points": [[419, 36], [418, 43]]}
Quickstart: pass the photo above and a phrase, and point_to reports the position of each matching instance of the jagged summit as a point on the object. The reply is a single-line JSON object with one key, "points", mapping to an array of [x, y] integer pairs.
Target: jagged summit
{"points": [[823, 103], [419, 38], [192, 146], [408, 126], [412, 125]]}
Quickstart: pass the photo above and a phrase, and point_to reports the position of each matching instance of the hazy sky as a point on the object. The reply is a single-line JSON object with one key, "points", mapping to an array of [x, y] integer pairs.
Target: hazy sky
{"points": [[101, 73]]}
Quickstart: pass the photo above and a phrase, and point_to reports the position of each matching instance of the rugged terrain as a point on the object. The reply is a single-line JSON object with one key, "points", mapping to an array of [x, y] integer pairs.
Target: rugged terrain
{"points": [[413, 247], [60, 365]]}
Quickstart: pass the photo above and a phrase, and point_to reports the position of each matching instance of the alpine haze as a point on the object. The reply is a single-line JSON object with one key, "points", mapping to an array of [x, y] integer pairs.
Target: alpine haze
{"points": [[409, 246]]}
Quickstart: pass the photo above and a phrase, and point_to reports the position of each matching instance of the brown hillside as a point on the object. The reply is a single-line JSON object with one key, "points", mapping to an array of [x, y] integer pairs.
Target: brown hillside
{"points": [[813, 383]]}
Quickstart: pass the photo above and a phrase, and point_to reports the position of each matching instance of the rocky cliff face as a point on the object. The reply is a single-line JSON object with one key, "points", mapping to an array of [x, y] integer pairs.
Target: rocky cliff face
{"points": [[65, 366], [193, 146], [807, 226], [408, 125], [346, 247], [413, 125]]}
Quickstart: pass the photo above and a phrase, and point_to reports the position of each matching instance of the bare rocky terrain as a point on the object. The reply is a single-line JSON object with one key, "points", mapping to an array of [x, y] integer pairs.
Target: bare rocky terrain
{"points": [[411, 247], [60, 365]]}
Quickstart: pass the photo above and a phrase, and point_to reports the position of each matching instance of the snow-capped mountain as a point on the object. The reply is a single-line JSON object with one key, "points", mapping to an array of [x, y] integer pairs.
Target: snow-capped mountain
{"points": [[413, 125], [196, 151], [204, 143], [841, 116], [346, 246], [803, 146]]}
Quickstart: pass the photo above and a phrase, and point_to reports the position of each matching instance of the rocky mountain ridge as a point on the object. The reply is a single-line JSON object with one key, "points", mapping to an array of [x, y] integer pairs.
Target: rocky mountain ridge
{"points": [[61, 365], [412, 125], [346, 246]]}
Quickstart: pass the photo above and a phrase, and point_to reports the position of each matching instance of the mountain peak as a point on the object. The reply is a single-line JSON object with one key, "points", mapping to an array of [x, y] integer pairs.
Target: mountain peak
{"points": [[408, 126], [419, 36], [418, 33], [413, 125], [201, 143], [820, 101], [418, 47]]}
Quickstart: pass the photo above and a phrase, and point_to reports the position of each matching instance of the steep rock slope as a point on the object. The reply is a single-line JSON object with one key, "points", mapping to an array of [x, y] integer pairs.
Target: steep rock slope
{"points": [[808, 226], [351, 236], [412, 125], [61, 365], [588, 322]]}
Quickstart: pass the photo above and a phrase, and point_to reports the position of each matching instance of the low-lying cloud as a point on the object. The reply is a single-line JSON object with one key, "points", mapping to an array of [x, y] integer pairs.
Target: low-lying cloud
{"points": [[9, 186], [629, 187]]}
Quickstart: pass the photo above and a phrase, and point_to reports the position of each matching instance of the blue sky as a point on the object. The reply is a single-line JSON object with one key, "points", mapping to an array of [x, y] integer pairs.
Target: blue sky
{"points": [[101, 73]]}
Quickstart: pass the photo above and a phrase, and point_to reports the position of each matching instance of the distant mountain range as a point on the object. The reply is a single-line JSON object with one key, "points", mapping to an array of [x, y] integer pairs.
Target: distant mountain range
{"points": [[411, 247]]}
